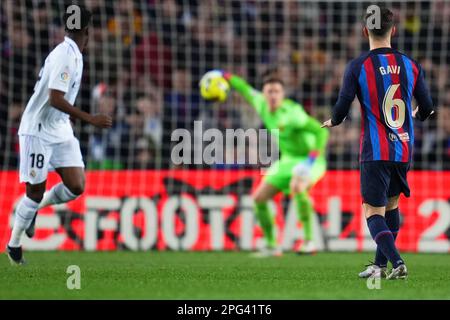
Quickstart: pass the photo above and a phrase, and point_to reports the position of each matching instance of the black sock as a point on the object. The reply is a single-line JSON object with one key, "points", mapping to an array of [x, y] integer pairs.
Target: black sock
{"points": [[384, 239], [392, 218]]}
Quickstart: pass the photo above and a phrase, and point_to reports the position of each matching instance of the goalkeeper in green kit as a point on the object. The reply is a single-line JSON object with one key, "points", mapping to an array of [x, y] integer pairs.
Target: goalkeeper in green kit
{"points": [[302, 163]]}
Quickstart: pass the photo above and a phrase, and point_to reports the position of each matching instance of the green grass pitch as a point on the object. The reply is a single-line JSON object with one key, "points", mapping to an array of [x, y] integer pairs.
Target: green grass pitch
{"points": [[217, 275]]}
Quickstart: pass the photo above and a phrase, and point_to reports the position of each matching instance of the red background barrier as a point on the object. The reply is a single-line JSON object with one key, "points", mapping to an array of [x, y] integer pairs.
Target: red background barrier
{"points": [[203, 211]]}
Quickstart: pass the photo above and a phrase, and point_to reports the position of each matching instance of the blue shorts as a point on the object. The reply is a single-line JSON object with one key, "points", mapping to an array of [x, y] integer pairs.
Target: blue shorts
{"points": [[381, 180]]}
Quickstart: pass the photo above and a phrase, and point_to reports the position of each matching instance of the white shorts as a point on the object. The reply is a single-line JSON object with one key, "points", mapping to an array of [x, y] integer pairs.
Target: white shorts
{"points": [[38, 157]]}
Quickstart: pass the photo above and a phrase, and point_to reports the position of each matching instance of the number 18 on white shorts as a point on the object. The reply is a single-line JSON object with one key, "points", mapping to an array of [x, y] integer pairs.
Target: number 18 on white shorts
{"points": [[38, 157]]}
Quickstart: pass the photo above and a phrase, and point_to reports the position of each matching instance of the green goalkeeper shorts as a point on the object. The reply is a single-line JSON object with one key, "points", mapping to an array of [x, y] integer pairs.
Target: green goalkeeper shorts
{"points": [[280, 173]]}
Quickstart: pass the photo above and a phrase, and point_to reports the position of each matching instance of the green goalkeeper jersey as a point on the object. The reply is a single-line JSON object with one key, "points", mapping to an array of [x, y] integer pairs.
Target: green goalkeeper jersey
{"points": [[298, 133]]}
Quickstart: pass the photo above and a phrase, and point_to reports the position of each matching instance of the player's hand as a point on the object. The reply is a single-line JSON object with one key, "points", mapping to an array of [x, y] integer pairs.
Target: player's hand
{"points": [[327, 124], [301, 177], [226, 75], [414, 113], [101, 121]]}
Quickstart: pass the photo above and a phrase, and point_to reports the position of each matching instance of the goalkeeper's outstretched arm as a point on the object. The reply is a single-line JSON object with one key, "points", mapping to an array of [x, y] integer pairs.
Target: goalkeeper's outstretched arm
{"points": [[250, 94]]}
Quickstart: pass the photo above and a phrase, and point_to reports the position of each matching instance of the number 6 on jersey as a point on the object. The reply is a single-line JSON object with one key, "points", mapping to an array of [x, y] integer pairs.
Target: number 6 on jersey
{"points": [[389, 103]]}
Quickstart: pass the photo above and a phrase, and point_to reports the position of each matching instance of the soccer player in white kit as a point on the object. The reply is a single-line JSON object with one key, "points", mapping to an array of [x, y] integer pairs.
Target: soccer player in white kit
{"points": [[46, 136]]}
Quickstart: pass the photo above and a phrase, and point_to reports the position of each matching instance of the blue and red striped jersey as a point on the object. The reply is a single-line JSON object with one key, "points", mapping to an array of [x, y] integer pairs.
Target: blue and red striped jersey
{"points": [[385, 81]]}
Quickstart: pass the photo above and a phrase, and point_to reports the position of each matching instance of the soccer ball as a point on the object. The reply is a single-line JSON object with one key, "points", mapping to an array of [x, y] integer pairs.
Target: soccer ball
{"points": [[214, 87]]}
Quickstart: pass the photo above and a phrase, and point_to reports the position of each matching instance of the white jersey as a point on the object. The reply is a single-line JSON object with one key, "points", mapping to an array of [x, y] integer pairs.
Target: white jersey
{"points": [[62, 71]]}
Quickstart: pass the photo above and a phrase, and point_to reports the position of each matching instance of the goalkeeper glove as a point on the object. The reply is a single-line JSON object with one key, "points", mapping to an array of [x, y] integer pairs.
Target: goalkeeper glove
{"points": [[226, 75], [303, 169]]}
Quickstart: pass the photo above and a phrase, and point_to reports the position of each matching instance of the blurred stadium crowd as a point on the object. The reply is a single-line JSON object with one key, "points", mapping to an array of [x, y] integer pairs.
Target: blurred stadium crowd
{"points": [[145, 58]]}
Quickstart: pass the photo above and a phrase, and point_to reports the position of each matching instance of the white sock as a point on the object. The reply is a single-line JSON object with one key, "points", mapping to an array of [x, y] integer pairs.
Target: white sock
{"points": [[25, 211], [58, 194]]}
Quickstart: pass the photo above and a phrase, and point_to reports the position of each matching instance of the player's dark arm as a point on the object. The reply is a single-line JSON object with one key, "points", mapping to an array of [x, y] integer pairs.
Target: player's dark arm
{"points": [[345, 99], [57, 100], [423, 97], [340, 110]]}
